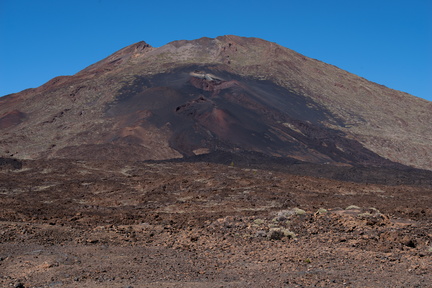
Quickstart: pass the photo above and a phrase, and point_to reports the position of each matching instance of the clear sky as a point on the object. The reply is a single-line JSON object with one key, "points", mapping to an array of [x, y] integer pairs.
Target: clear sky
{"points": [[385, 41]]}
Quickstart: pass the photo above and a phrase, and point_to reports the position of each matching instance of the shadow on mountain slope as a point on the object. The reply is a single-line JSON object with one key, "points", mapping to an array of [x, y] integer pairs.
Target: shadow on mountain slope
{"points": [[396, 175]]}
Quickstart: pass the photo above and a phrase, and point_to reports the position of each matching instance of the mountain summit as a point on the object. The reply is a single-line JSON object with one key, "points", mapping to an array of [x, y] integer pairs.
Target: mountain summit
{"points": [[230, 94]]}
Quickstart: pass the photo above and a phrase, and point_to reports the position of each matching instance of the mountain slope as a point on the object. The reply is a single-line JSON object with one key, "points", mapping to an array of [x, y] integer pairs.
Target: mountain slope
{"points": [[229, 93]]}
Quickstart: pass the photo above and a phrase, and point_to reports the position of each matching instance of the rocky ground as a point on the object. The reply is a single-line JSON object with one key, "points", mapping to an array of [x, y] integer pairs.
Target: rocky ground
{"points": [[166, 224]]}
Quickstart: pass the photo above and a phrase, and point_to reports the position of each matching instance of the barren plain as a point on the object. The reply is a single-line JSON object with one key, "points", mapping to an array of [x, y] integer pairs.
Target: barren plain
{"points": [[200, 224]]}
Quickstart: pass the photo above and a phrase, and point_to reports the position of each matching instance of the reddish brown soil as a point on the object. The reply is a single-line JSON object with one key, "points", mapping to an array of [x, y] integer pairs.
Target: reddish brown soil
{"points": [[113, 224]]}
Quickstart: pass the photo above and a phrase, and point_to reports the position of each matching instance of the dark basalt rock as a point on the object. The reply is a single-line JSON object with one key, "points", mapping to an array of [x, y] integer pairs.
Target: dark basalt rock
{"points": [[10, 163]]}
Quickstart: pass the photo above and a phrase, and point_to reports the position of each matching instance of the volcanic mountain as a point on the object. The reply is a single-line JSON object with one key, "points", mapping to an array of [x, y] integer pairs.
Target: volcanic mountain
{"points": [[230, 94]]}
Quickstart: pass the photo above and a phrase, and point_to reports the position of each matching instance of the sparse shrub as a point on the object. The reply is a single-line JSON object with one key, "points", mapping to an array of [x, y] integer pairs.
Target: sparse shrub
{"points": [[299, 211], [259, 221], [279, 233], [277, 219], [261, 233], [289, 234], [364, 215], [352, 207], [321, 211], [283, 215], [275, 234], [374, 210]]}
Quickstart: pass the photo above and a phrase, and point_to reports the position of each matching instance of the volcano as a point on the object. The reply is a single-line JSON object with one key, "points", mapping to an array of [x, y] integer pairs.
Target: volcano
{"points": [[228, 94]]}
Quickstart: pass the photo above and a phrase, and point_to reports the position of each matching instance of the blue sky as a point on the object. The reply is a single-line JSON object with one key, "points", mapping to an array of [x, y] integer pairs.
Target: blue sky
{"points": [[385, 41]]}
